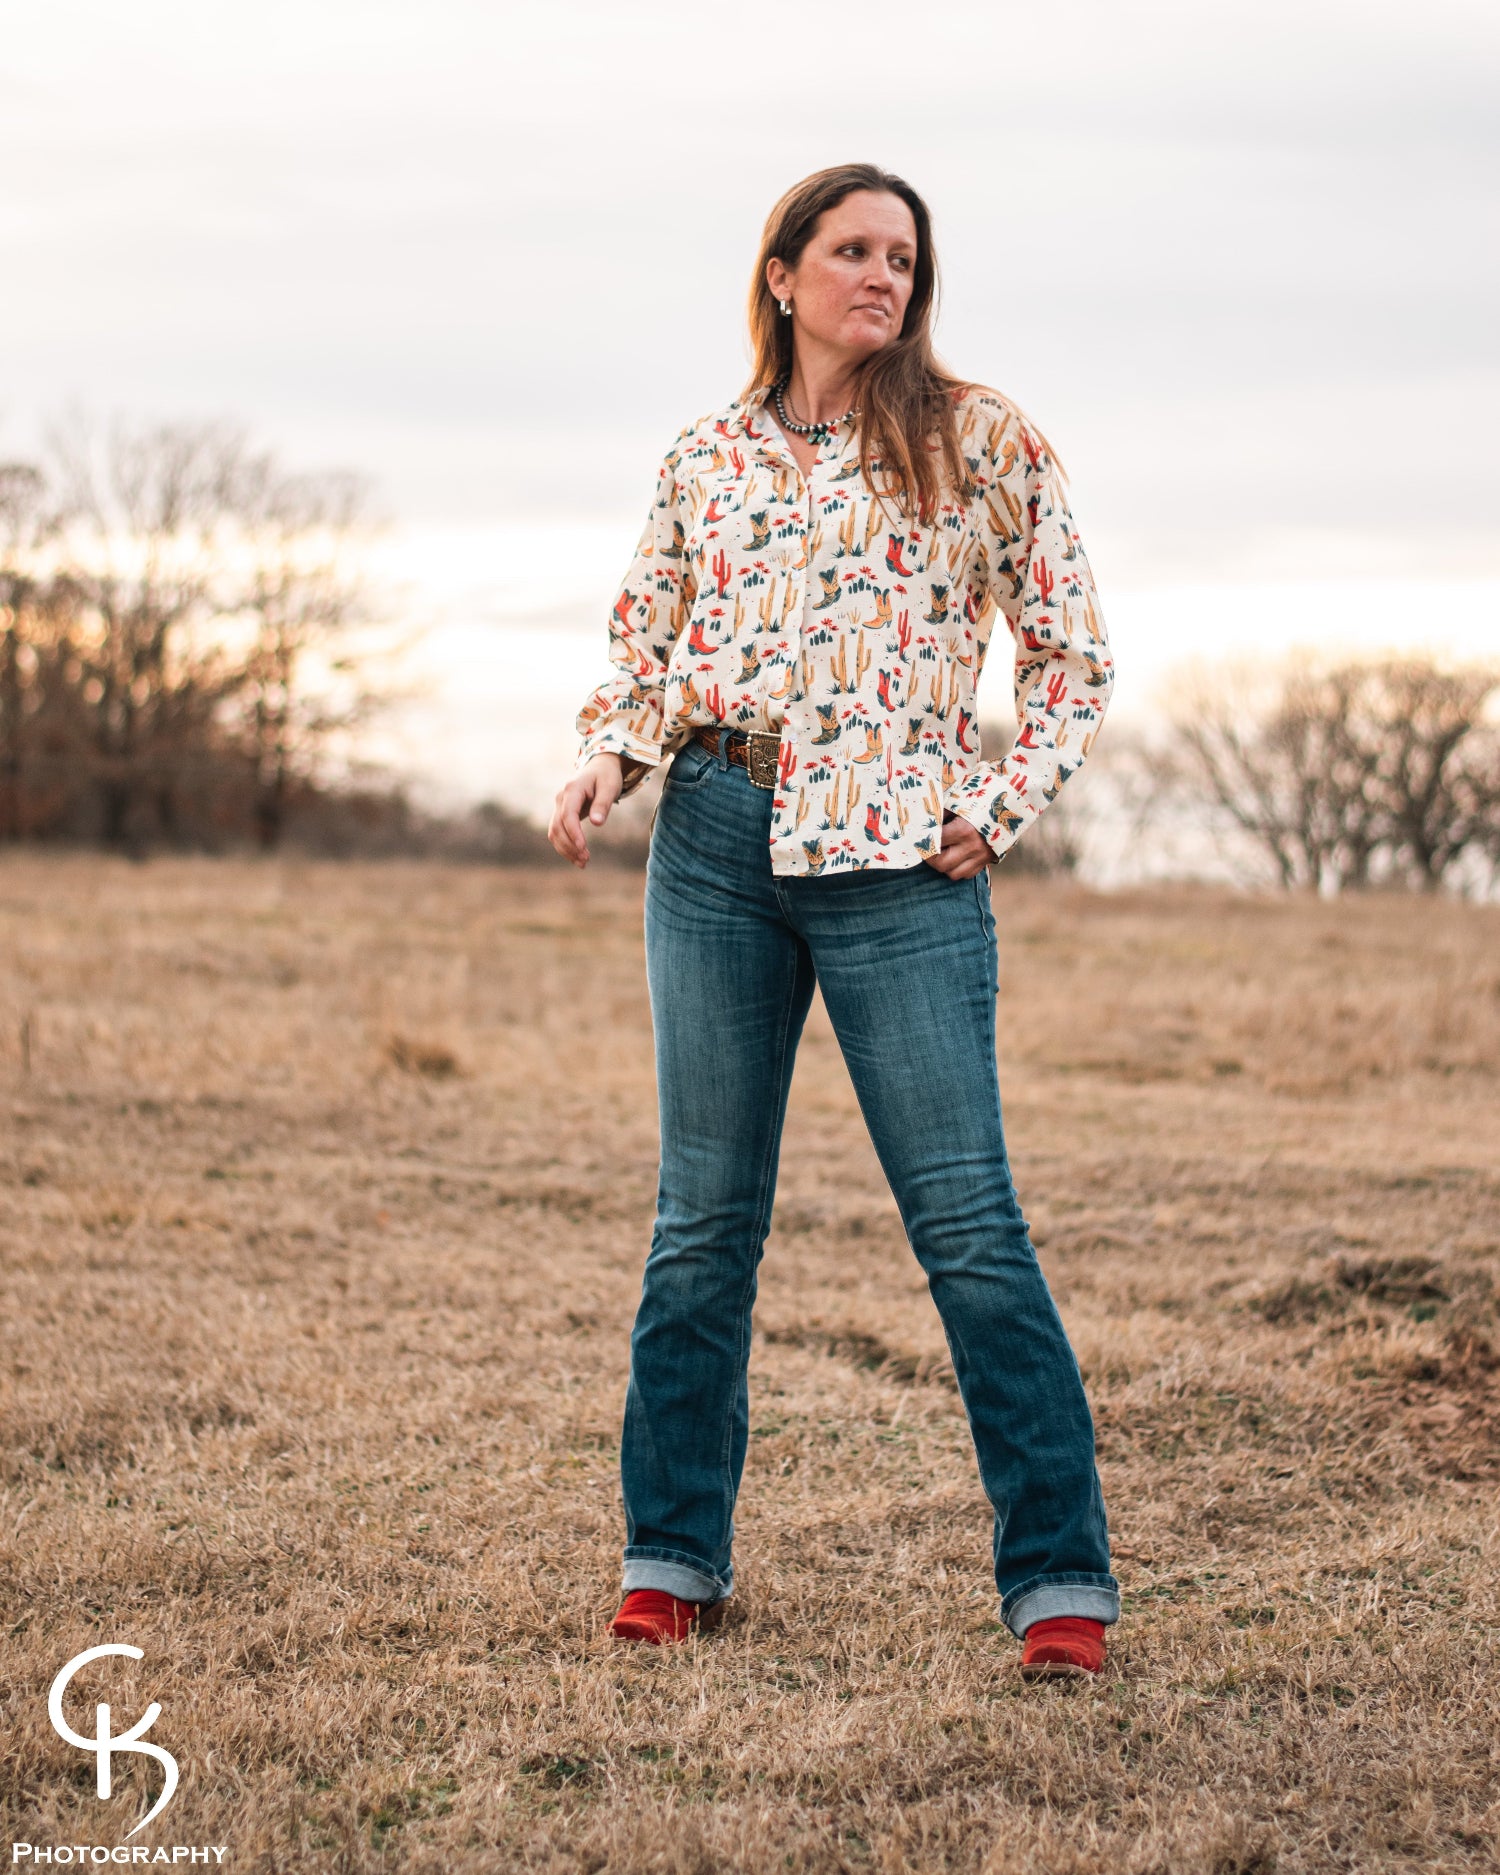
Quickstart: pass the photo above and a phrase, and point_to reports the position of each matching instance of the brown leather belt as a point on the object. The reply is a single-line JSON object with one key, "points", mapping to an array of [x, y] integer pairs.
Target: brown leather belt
{"points": [[755, 750]]}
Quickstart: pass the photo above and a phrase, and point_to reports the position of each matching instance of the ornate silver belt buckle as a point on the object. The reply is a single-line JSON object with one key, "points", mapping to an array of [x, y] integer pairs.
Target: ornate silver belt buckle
{"points": [[762, 750]]}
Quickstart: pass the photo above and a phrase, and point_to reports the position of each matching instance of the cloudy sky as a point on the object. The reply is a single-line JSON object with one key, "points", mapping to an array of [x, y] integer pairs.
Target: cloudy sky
{"points": [[1241, 262]]}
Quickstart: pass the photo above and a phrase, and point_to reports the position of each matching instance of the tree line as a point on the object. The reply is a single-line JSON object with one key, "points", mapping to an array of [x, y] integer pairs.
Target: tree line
{"points": [[177, 667], [1307, 774]]}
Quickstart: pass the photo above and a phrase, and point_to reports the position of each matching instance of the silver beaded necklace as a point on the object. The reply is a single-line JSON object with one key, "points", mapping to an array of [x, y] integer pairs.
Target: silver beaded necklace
{"points": [[818, 432]]}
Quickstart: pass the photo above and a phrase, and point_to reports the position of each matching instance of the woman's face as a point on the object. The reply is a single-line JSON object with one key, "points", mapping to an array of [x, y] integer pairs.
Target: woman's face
{"points": [[851, 287]]}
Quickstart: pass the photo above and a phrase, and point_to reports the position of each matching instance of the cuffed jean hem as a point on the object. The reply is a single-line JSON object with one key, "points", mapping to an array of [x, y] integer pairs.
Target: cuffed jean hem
{"points": [[675, 1576], [1043, 1598]]}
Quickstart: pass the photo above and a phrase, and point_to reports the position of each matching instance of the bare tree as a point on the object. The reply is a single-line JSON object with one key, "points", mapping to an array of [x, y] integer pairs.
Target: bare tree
{"points": [[144, 557], [302, 597], [1435, 757], [1346, 775], [163, 594]]}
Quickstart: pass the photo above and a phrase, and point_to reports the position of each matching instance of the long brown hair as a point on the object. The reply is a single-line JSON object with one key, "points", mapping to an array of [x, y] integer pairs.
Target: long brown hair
{"points": [[907, 423]]}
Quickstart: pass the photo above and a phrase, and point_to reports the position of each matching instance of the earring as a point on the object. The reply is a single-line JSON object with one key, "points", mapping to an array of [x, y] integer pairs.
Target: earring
{"points": [[786, 309]]}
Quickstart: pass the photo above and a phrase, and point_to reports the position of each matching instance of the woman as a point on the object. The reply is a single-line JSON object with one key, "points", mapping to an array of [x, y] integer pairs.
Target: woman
{"points": [[802, 632]]}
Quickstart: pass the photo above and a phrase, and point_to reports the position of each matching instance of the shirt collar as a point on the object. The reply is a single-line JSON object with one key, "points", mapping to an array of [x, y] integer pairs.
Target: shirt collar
{"points": [[746, 414]]}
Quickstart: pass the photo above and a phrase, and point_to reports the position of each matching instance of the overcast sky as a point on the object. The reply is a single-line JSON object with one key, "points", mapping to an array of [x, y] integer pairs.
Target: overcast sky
{"points": [[1242, 262]]}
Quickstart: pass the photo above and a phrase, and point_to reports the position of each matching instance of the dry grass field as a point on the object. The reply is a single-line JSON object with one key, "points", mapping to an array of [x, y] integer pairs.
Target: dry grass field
{"points": [[325, 1195]]}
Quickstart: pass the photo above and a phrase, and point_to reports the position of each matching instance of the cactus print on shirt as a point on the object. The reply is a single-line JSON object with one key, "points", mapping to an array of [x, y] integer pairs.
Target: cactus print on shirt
{"points": [[762, 599]]}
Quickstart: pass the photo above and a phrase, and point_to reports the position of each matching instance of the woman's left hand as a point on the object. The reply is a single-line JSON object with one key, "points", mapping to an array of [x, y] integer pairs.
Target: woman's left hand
{"points": [[965, 850]]}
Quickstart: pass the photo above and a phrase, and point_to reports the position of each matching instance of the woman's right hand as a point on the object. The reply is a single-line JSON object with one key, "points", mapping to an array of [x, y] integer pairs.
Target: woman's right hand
{"points": [[596, 787]]}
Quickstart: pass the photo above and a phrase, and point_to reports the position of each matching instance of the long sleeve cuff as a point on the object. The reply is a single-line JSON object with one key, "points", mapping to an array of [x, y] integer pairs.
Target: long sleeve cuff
{"points": [[637, 756], [986, 800]]}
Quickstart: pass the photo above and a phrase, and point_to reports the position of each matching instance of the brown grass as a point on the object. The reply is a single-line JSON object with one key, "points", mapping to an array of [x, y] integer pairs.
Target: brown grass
{"points": [[325, 1199]]}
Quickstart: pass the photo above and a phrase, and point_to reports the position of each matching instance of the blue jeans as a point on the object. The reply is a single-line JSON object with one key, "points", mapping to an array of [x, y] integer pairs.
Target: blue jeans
{"points": [[907, 965]]}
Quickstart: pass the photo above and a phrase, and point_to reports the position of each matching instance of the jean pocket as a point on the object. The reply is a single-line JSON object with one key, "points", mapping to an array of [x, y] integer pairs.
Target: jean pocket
{"points": [[691, 767]]}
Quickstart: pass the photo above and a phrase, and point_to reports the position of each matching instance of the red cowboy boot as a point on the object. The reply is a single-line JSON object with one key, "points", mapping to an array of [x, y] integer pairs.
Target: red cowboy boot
{"points": [[653, 1615], [1064, 1648]]}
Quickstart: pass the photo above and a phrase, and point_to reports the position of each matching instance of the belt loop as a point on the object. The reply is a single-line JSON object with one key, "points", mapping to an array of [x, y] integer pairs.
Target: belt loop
{"points": [[721, 754]]}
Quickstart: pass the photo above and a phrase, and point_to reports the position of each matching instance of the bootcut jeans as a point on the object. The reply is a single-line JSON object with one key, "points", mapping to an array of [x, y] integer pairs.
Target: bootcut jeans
{"points": [[907, 965]]}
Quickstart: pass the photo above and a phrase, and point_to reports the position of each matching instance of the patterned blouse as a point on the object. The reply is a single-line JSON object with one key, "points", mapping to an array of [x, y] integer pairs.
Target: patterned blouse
{"points": [[760, 599]]}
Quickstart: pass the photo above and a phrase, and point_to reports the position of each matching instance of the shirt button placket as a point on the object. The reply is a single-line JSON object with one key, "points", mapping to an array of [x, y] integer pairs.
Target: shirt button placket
{"points": [[789, 725]]}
